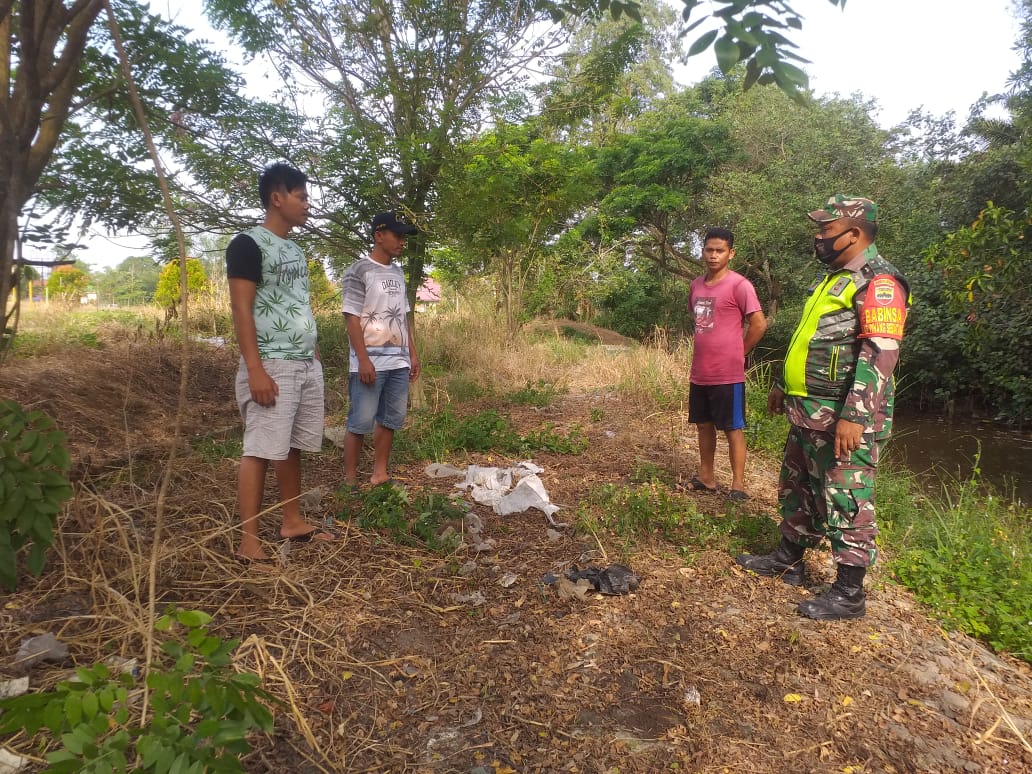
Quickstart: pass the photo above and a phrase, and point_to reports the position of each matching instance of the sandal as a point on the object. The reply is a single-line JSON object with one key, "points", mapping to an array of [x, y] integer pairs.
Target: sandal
{"points": [[698, 486]]}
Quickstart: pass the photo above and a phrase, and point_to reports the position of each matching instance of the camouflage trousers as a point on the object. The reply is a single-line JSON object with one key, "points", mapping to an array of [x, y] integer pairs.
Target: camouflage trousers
{"points": [[820, 496]]}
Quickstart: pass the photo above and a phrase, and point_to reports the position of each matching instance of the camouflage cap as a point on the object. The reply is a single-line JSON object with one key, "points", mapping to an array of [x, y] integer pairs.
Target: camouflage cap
{"points": [[841, 206]]}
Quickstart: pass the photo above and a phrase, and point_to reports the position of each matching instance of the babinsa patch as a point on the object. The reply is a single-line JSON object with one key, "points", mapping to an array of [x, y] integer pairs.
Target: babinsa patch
{"points": [[884, 309]]}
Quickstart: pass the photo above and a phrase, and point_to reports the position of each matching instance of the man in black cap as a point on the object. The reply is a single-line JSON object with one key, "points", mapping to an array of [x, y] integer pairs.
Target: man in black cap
{"points": [[383, 359], [837, 392]]}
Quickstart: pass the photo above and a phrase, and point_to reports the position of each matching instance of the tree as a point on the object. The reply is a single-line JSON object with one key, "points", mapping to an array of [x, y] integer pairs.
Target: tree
{"points": [[987, 268], [70, 145], [788, 158], [751, 33], [526, 189], [652, 181], [67, 283], [403, 82], [132, 282], [43, 46], [612, 71], [167, 293]]}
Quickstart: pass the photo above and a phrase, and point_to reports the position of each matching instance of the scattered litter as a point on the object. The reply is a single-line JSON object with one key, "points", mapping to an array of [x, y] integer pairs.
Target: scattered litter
{"points": [[442, 470], [125, 666], [610, 434], [614, 580], [45, 647], [335, 435], [474, 526], [692, 696], [15, 687], [11, 763], [569, 589], [553, 535], [491, 486], [549, 579], [529, 493], [507, 580], [475, 599]]}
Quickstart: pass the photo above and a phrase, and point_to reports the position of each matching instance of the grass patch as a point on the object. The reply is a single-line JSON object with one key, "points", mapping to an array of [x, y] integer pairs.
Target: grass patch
{"points": [[212, 449], [966, 555], [641, 511], [763, 431], [426, 519], [541, 394], [435, 435]]}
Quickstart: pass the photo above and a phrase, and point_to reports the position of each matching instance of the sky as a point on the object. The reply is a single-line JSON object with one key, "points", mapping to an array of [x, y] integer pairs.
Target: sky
{"points": [[940, 55], [937, 54]]}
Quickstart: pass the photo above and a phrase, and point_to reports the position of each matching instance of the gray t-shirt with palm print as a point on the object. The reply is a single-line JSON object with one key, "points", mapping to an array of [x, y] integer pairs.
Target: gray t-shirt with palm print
{"points": [[375, 293], [282, 308]]}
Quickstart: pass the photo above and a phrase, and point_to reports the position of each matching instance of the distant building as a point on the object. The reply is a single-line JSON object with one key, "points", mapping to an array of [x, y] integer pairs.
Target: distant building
{"points": [[427, 295]]}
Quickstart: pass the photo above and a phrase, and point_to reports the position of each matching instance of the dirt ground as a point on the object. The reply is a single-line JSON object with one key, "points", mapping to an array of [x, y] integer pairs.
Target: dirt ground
{"points": [[393, 659]]}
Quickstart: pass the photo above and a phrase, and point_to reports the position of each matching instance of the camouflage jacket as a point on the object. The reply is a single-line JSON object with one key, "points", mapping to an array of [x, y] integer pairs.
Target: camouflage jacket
{"points": [[846, 346]]}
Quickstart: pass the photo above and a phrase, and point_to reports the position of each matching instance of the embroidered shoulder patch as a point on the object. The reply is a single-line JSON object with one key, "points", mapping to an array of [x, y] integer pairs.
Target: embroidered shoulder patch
{"points": [[884, 309]]}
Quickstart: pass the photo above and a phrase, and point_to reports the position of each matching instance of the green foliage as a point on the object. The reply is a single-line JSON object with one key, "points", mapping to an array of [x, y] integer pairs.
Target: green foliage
{"points": [[428, 519], [649, 473], [213, 449], [649, 508], [751, 33], [763, 430], [986, 269], [167, 292], [67, 283], [635, 300], [34, 484], [435, 435], [967, 556], [463, 389], [333, 342], [541, 394], [132, 282], [42, 331], [200, 710]]}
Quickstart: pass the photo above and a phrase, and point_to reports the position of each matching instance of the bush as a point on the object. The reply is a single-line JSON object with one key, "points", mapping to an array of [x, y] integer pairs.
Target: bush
{"points": [[200, 710], [33, 485]]}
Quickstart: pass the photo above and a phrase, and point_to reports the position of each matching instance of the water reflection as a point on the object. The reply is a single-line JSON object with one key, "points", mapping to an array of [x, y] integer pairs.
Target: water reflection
{"points": [[933, 447]]}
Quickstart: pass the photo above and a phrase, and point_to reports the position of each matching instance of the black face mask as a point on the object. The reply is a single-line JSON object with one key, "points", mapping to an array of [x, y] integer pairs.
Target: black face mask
{"points": [[824, 248]]}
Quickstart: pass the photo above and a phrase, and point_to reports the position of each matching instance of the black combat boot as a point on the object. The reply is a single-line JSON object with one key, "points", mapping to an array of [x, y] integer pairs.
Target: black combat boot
{"points": [[786, 562], [845, 598]]}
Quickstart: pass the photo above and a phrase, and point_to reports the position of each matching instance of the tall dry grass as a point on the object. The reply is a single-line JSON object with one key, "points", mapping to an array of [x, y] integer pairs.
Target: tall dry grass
{"points": [[475, 347]]}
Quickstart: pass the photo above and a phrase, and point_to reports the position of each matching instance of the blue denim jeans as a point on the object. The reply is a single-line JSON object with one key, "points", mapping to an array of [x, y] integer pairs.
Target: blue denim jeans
{"points": [[384, 402]]}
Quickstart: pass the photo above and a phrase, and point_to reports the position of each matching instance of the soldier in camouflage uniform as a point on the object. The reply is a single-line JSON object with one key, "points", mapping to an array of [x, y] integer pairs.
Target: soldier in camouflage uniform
{"points": [[837, 392]]}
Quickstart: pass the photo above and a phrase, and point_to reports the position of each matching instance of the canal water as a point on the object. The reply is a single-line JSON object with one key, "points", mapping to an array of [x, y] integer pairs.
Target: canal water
{"points": [[935, 448]]}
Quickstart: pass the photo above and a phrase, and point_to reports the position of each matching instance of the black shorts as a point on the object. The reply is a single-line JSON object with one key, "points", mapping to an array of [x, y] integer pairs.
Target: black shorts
{"points": [[722, 405]]}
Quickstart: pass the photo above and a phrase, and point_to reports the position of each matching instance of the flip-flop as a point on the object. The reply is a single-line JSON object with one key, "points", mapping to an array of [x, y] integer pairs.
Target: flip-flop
{"points": [[308, 537], [698, 486], [737, 496]]}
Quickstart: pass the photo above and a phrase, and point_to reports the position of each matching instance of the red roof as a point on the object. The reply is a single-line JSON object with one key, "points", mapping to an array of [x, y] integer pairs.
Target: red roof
{"points": [[429, 291]]}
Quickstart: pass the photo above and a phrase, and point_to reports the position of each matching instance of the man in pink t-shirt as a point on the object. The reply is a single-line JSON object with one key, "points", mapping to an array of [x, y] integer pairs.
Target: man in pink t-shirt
{"points": [[721, 300]]}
